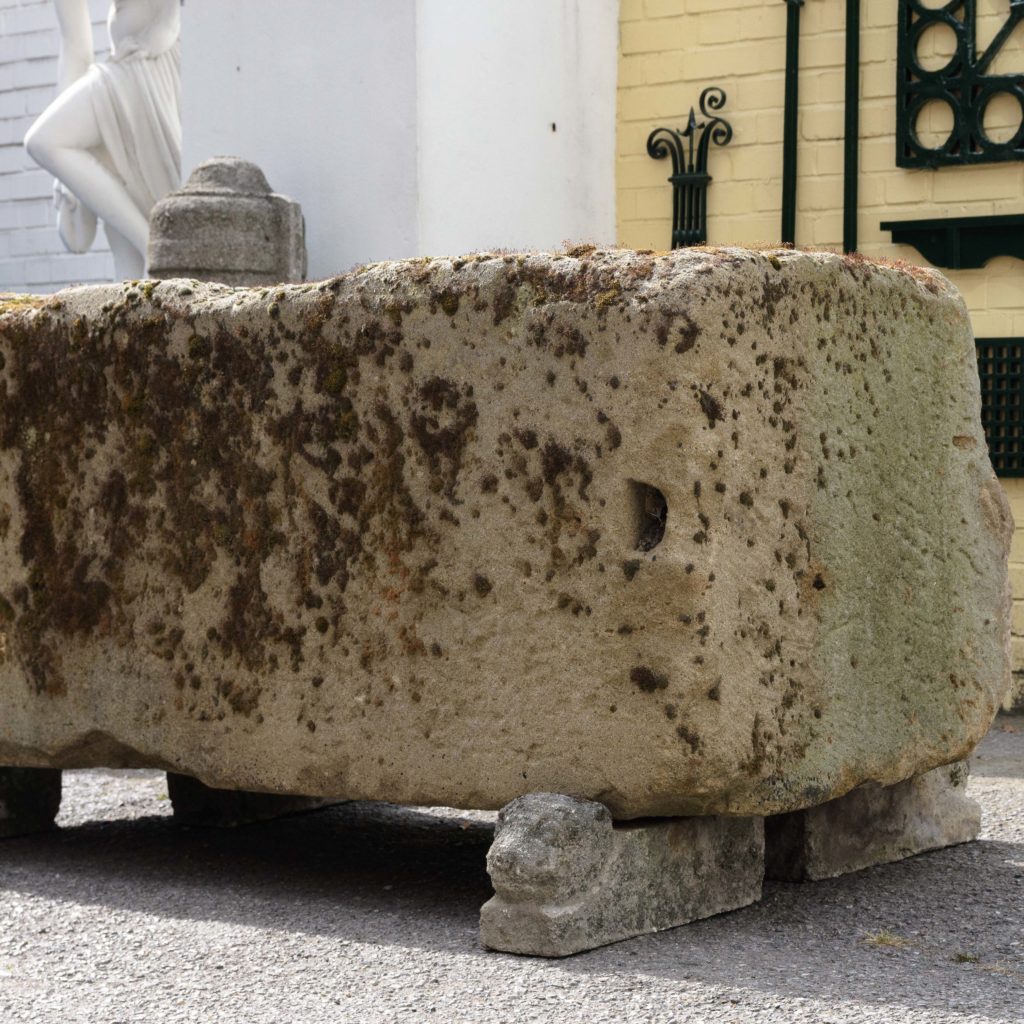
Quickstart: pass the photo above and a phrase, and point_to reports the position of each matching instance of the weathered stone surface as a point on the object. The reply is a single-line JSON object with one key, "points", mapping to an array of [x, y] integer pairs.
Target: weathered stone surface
{"points": [[29, 800], [226, 224], [566, 880], [711, 532], [873, 825], [196, 804]]}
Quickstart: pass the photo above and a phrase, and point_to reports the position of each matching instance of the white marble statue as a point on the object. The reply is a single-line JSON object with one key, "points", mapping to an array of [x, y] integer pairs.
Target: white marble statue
{"points": [[112, 137]]}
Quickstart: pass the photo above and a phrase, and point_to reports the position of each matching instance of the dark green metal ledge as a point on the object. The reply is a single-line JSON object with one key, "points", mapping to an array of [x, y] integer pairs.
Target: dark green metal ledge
{"points": [[961, 243]]}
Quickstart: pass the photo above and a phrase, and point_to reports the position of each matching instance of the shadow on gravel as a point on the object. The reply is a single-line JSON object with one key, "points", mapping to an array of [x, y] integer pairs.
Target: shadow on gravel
{"points": [[943, 930], [347, 871], [379, 874]]}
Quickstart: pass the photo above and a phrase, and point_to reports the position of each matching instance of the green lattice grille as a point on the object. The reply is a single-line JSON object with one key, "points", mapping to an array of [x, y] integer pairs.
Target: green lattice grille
{"points": [[1001, 368]]}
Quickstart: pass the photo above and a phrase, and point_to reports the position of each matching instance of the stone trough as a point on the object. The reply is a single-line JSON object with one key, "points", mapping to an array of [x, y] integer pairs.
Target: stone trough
{"points": [[709, 537]]}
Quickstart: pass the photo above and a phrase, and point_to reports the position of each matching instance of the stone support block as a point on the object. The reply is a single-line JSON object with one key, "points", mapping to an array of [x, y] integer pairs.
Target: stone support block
{"points": [[873, 825], [29, 800], [567, 879], [197, 804]]}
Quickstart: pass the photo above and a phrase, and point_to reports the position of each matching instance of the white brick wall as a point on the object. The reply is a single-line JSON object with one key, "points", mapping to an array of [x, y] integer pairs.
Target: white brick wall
{"points": [[32, 256]]}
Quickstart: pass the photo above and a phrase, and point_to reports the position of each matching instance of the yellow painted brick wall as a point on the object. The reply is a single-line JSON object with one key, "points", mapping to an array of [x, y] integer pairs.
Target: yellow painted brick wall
{"points": [[672, 49]]}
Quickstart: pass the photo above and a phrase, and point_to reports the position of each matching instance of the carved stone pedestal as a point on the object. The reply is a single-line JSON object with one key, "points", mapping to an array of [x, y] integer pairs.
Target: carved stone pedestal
{"points": [[197, 804], [567, 879], [872, 825], [226, 224], [29, 800]]}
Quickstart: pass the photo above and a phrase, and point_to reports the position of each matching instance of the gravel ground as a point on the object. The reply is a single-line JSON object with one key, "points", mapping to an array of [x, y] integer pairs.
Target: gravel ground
{"points": [[367, 913]]}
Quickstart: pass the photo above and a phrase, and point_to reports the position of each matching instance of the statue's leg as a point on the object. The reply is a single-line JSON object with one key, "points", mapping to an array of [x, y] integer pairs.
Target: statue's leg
{"points": [[567, 879], [29, 800], [64, 140], [196, 804], [872, 825], [128, 262]]}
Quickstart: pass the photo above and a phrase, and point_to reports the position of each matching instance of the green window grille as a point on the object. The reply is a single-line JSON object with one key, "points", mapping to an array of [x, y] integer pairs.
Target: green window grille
{"points": [[1001, 369]]}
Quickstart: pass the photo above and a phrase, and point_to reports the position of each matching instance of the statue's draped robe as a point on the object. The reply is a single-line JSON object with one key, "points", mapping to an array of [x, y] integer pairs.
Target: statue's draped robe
{"points": [[136, 96]]}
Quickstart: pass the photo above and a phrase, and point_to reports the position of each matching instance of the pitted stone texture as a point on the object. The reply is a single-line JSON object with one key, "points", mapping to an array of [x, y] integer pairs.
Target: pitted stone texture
{"points": [[226, 224], [658, 531], [566, 880], [196, 804], [873, 825], [29, 800]]}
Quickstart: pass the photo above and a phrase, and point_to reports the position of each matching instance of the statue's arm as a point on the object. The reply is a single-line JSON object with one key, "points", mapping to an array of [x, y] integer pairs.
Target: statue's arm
{"points": [[76, 53]]}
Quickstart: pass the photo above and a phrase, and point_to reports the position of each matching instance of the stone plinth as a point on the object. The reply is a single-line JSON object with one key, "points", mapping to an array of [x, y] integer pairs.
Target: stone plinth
{"points": [[567, 880], [29, 800], [706, 533], [196, 804], [873, 825], [226, 224]]}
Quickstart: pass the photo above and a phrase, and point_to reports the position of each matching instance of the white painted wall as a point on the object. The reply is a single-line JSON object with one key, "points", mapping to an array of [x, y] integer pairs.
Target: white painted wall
{"points": [[516, 123], [404, 127], [410, 127], [32, 256], [322, 95]]}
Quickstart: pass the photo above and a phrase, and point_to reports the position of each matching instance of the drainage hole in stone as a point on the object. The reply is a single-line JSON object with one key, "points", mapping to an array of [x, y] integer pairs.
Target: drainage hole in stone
{"points": [[650, 513]]}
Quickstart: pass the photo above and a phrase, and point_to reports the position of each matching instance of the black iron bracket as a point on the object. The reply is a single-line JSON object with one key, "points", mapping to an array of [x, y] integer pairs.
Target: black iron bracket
{"points": [[964, 85], [961, 243], [689, 147]]}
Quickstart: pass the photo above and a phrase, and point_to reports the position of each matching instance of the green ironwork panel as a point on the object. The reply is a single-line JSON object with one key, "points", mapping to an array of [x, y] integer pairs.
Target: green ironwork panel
{"points": [[1001, 369], [966, 84], [688, 148]]}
